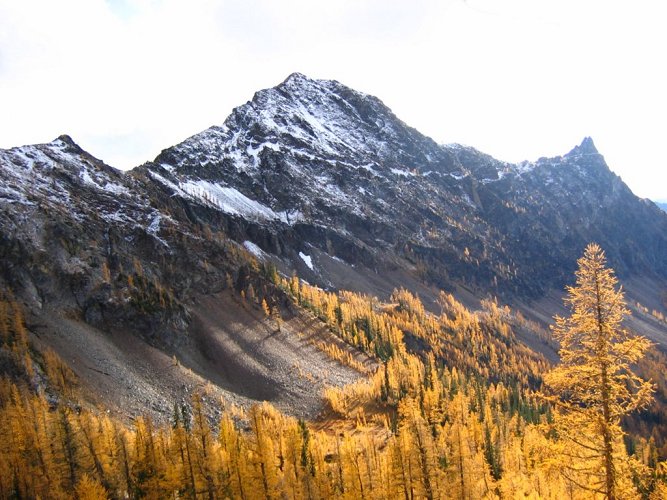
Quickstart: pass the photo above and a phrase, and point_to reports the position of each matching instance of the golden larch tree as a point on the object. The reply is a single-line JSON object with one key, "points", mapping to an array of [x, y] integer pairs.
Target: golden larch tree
{"points": [[594, 386]]}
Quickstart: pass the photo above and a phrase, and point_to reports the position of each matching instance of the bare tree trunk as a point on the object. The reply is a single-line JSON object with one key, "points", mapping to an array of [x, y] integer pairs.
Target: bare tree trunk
{"points": [[610, 477]]}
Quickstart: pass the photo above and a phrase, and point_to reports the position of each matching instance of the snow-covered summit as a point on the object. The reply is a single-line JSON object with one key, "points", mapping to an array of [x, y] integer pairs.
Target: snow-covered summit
{"points": [[37, 172], [314, 155], [305, 145], [322, 119], [63, 177]]}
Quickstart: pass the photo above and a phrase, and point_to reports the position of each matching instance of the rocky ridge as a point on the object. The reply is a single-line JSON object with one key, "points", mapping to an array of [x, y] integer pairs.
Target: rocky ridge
{"points": [[323, 169]]}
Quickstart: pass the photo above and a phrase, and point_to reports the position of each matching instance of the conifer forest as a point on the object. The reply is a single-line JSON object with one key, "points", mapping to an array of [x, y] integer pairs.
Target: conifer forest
{"points": [[453, 406]]}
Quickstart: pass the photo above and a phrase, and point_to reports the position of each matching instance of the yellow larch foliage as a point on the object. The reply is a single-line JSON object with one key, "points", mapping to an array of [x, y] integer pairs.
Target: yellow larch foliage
{"points": [[594, 386]]}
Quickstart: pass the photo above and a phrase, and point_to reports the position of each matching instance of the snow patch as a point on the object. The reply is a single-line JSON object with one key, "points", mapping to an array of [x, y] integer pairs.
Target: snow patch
{"points": [[369, 167], [117, 216], [402, 173], [101, 183], [167, 183], [291, 217], [154, 227], [307, 259], [524, 167], [254, 152], [229, 200], [254, 249], [338, 259]]}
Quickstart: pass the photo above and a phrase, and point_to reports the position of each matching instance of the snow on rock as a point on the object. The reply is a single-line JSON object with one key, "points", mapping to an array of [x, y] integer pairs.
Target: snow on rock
{"points": [[254, 152], [101, 183], [337, 162], [59, 174], [229, 200], [303, 147], [401, 173], [524, 167], [154, 226], [291, 217], [255, 250], [307, 259], [162, 180], [338, 259]]}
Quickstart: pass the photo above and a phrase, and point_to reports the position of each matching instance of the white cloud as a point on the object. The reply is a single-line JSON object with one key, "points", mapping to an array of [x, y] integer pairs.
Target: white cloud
{"points": [[517, 79]]}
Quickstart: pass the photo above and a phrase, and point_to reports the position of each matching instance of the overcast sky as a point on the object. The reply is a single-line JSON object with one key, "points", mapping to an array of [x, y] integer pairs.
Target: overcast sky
{"points": [[517, 79]]}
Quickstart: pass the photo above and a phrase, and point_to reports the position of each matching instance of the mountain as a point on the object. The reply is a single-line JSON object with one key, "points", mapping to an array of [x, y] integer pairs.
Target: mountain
{"points": [[138, 298], [315, 168], [662, 205], [141, 280], [316, 253]]}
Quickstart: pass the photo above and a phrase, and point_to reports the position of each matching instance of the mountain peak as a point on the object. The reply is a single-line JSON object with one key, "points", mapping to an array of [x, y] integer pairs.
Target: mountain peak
{"points": [[587, 147], [296, 77], [311, 91], [299, 82], [66, 139], [68, 143]]}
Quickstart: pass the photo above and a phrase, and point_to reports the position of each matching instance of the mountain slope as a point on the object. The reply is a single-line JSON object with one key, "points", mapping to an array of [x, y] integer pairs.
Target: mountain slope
{"points": [[114, 279], [322, 181], [318, 168]]}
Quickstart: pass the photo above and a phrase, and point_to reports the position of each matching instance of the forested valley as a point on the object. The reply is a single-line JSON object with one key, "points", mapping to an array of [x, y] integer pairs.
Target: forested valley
{"points": [[455, 407]]}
